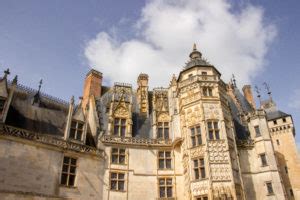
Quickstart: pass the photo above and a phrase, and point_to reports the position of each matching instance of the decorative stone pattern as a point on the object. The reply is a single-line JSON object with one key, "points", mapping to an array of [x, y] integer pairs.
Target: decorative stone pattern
{"points": [[211, 111], [135, 141], [45, 139], [198, 151], [200, 187], [218, 152], [220, 172], [193, 116]]}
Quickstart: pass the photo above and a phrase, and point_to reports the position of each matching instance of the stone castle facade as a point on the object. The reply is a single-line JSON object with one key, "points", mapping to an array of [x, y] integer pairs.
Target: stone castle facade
{"points": [[198, 139]]}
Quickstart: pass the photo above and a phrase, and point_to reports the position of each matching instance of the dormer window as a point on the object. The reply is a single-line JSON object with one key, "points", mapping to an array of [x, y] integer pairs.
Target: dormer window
{"points": [[76, 130], [119, 127], [2, 104]]}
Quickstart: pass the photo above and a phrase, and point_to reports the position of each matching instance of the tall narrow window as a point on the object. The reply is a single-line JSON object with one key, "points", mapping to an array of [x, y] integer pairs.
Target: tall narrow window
{"points": [[68, 171], [207, 91], [117, 181], [196, 136], [284, 120], [263, 159], [120, 127], [164, 160], [286, 169], [213, 130], [275, 122], [270, 188], [291, 192], [165, 187], [257, 131], [199, 168], [118, 156], [278, 142], [163, 130], [76, 130]]}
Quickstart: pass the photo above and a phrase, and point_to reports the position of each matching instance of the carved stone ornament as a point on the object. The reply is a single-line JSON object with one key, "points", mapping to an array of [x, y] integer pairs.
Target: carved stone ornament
{"points": [[211, 111], [200, 188]]}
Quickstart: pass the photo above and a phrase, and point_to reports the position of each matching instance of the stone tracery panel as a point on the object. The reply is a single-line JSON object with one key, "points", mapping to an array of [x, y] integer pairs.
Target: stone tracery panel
{"points": [[212, 111]]}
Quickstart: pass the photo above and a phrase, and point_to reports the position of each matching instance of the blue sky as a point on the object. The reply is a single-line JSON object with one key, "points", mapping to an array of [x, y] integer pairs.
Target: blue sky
{"points": [[58, 41]]}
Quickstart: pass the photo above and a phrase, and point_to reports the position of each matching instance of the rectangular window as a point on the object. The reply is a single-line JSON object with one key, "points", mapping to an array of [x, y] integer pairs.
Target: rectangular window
{"points": [[163, 130], [257, 131], [120, 127], [284, 120], [207, 91], [68, 171], [196, 136], [199, 168], [2, 103], [278, 142], [270, 188], [164, 160], [275, 122], [118, 156], [213, 130], [286, 170], [165, 187], [76, 130], [202, 198], [117, 181], [263, 159]]}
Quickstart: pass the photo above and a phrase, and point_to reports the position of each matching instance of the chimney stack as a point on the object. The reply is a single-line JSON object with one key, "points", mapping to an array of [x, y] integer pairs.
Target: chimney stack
{"points": [[142, 93], [92, 86], [248, 95]]}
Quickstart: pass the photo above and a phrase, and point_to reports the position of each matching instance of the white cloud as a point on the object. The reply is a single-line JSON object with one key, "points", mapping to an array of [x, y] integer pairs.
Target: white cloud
{"points": [[235, 42]]}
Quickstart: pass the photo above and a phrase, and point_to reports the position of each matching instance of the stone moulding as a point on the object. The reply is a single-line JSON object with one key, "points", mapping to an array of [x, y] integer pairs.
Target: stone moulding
{"points": [[245, 144], [136, 141], [49, 140]]}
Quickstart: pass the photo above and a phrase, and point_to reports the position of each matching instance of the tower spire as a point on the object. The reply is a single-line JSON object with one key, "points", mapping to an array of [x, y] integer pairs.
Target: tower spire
{"points": [[195, 54]]}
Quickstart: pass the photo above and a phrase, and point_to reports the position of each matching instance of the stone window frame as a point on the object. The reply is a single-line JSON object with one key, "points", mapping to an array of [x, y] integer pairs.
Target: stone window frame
{"points": [[119, 128], [165, 159], [69, 170], [120, 154], [213, 130], [199, 168], [75, 129], [269, 186], [196, 136], [257, 131], [263, 159], [207, 91], [119, 181], [164, 126], [165, 183]]}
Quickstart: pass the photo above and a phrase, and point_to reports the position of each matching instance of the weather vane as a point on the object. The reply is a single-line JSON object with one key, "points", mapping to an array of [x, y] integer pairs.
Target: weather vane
{"points": [[268, 89]]}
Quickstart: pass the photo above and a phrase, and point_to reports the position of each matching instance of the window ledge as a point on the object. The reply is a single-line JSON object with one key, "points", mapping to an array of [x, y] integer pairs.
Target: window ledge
{"points": [[69, 187], [271, 194], [123, 191]]}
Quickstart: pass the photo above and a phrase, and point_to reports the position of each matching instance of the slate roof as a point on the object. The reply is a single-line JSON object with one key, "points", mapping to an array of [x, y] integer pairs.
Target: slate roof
{"points": [[276, 114]]}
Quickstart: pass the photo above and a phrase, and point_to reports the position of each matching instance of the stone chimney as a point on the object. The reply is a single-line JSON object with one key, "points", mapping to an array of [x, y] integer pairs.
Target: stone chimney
{"points": [[248, 95], [92, 86], [142, 93]]}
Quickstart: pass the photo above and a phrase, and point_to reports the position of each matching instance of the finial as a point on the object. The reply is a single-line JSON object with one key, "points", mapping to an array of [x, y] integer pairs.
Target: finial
{"points": [[268, 89], [40, 85], [258, 93], [6, 73], [194, 47], [233, 80], [15, 80], [72, 100]]}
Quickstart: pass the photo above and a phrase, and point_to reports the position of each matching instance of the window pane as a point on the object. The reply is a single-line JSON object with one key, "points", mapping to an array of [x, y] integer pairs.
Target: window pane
{"points": [[122, 159], [80, 125], [201, 162], [113, 185], [210, 92], [192, 131], [114, 150], [113, 175], [202, 172], [161, 181], [122, 151], [216, 125], [166, 133], [66, 160], [209, 125], [193, 141], [114, 158], [161, 154], [195, 163], [166, 124], [71, 180], [121, 176], [160, 124], [123, 122], [116, 130], [168, 154], [63, 179], [199, 139], [196, 174], [121, 185], [162, 192], [168, 164], [72, 169], [211, 136], [161, 164], [160, 133], [217, 135], [73, 124], [123, 131], [169, 191], [198, 129], [117, 120], [73, 161], [72, 133], [65, 168], [79, 135]]}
